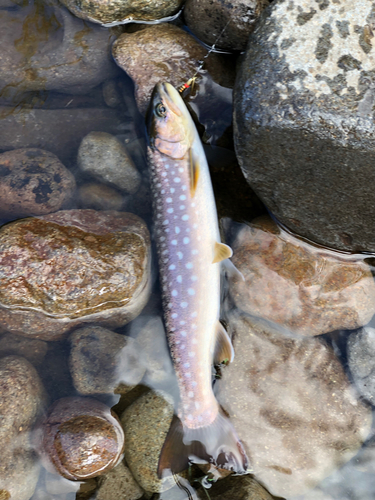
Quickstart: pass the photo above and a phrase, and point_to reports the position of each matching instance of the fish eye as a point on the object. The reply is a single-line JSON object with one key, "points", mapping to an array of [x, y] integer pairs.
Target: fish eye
{"points": [[160, 110]]}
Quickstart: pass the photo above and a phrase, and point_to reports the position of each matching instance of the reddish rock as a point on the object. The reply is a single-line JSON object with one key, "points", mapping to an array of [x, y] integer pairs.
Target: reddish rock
{"points": [[72, 267], [81, 438], [306, 289], [33, 182]]}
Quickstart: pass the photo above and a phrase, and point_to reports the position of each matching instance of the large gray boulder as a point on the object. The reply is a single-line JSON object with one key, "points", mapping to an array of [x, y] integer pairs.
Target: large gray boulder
{"points": [[303, 120]]}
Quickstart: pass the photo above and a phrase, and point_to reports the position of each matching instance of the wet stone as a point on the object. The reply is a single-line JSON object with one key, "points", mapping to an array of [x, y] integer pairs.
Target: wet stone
{"points": [[31, 349], [33, 182], [146, 423], [80, 438], [303, 119], [58, 52], [361, 361], [122, 11], [104, 362], [303, 288], [100, 197], [292, 406], [209, 19], [72, 267], [118, 483], [175, 60], [236, 488], [104, 157]]}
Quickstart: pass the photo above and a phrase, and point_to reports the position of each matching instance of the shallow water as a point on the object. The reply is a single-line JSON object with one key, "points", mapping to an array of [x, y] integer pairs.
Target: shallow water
{"points": [[44, 104]]}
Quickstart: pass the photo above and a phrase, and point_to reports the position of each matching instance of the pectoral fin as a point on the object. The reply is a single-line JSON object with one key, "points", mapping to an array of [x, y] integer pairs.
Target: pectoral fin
{"points": [[223, 346], [221, 252], [194, 172]]}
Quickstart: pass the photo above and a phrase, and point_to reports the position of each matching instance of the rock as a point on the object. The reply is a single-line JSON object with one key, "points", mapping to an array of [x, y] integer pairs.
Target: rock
{"points": [[361, 351], [44, 47], [303, 288], [207, 19], [55, 373], [303, 121], [291, 405], [100, 197], [31, 349], [39, 128], [125, 11], [33, 182], [105, 158], [104, 362], [146, 423], [175, 60], [81, 438], [119, 483], [111, 94], [238, 488], [72, 267]]}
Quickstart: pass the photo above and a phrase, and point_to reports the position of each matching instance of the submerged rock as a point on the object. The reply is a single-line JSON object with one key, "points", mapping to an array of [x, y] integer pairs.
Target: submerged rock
{"points": [[80, 438], [292, 406], [303, 119], [303, 288], [72, 267], [208, 20], [146, 423], [119, 483], [104, 362], [176, 59], [104, 157], [361, 361], [237, 488], [33, 182], [118, 11], [100, 197], [31, 349]]}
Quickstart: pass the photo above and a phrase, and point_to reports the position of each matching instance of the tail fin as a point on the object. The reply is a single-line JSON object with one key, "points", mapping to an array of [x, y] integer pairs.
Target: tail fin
{"points": [[216, 443]]}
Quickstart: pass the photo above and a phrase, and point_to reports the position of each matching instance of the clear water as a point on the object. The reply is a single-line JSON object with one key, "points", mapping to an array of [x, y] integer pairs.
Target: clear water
{"points": [[32, 115]]}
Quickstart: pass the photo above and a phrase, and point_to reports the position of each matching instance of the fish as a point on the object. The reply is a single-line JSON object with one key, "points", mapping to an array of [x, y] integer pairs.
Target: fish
{"points": [[190, 257]]}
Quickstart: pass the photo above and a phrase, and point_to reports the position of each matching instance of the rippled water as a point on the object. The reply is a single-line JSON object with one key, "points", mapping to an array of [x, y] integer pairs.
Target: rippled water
{"points": [[50, 98]]}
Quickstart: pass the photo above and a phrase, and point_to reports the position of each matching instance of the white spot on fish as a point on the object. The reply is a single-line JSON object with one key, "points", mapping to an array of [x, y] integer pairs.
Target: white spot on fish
{"points": [[185, 217], [177, 180], [183, 346], [158, 216], [180, 255], [192, 354], [172, 267], [165, 222], [169, 305], [197, 405], [179, 278], [194, 278], [194, 314], [172, 190], [177, 230], [182, 207], [162, 238], [174, 293], [191, 291], [174, 315], [190, 416], [184, 305], [189, 265], [169, 200], [165, 288], [174, 242], [164, 174], [194, 252], [186, 365], [165, 261], [187, 374], [195, 226], [170, 210], [158, 185], [193, 204], [182, 197], [184, 188], [194, 384], [183, 334], [164, 252], [191, 394], [178, 360], [180, 169], [186, 240]]}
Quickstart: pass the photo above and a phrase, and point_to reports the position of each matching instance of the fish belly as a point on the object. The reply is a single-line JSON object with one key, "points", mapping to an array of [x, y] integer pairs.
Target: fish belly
{"points": [[186, 231]]}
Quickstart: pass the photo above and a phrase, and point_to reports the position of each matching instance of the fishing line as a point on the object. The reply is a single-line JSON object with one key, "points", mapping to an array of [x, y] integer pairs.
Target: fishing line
{"points": [[190, 83]]}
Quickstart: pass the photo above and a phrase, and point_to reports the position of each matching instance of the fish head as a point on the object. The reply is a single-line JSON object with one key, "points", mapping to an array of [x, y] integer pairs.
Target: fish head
{"points": [[169, 125]]}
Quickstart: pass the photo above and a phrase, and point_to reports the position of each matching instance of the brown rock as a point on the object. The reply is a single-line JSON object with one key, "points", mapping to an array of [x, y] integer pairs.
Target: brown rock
{"points": [[119, 483], [158, 53], [237, 488], [291, 405], [208, 18], [122, 11], [100, 197], [301, 287], [72, 267], [31, 349], [81, 438], [146, 423], [33, 182], [104, 362]]}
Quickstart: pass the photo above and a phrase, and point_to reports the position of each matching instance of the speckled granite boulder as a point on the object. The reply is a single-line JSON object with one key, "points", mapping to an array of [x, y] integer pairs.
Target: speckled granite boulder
{"points": [[100, 197], [303, 118], [104, 362], [72, 267], [361, 361], [119, 483], [303, 288], [158, 53], [123, 11], [31, 349], [292, 406], [105, 158], [209, 19], [33, 182], [146, 423]]}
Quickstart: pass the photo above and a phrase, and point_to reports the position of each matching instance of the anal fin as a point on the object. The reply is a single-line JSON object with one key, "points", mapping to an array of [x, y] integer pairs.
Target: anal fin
{"points": [[223, 346], [221, 252]]}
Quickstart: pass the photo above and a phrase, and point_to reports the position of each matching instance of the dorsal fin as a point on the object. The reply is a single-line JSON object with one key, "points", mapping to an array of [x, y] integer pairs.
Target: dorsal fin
{"points": [[221, 252], [223, 346], [194, 172]]}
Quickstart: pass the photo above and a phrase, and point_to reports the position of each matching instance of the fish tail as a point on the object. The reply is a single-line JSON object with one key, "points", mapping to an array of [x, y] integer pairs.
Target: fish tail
{"points": [[217, 444]]}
